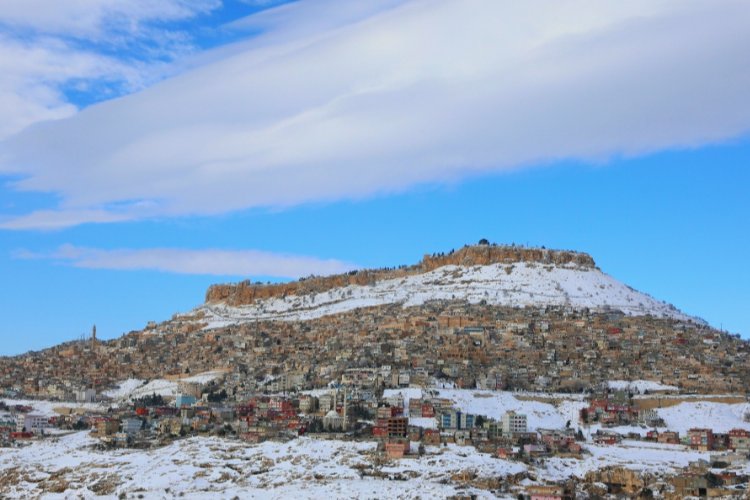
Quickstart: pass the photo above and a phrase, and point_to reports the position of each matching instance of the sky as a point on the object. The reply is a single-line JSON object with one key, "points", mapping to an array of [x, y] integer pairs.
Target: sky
{"points": [[150, 149]]}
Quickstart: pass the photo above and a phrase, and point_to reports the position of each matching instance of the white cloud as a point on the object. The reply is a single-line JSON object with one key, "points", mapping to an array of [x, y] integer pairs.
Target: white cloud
{"points": [[184, 261], [97, 18], [326, 105], [46, 45]]}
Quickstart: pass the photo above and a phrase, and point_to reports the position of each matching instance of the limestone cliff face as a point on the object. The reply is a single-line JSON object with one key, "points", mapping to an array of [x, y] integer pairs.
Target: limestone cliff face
{"points": [[478, 255]]}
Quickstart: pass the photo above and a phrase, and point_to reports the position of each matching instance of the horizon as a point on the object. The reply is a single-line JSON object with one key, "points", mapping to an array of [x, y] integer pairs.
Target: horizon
{"points": [[151, 152]]}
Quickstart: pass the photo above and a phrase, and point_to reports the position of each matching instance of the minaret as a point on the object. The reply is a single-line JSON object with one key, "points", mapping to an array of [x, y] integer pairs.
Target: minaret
{"points": [[346, 412]]}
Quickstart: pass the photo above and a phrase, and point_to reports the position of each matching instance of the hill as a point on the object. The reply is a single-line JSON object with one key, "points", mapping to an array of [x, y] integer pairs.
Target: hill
{"points": [[491, 317]]}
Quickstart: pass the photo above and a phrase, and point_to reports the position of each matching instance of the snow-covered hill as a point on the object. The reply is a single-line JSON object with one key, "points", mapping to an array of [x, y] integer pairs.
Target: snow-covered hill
{"points": [[514, 285]]}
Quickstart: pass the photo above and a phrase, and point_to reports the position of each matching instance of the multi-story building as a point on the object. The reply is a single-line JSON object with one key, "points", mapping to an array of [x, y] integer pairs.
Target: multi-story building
{"points": [[514, 423]]}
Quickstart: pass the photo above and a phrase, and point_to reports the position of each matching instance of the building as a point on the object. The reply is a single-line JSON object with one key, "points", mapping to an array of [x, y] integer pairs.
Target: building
{"points": [[86, 396], [739, 440], [701, 439], [396, 449], [514, 423], [551, 492], [333, 421], [32, 423], [455, 419], [184, 400], [397, 426], [131, 425]]}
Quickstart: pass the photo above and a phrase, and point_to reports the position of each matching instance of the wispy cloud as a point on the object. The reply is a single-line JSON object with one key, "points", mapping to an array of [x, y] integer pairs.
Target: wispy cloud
{"points": [[49, 46], [188, 261], [331, 103]]}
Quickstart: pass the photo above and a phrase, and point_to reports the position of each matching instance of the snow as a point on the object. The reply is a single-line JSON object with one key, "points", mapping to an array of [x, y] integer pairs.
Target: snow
{"points": [[47, 408], [720, 417], [635, 455], [124, 388], [516, 285], [206, 467], [455, 458], [203, 467], [640, 386], [495, 403], [135, 388]]}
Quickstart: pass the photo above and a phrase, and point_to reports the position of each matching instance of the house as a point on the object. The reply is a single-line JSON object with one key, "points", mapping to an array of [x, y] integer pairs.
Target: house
{"points": [[514, 423], [669, 437], [185, 400], [462, 438], [131, 426], [31, 422], [609, 438], [397, 448], [397, 426], [701, 439], [739, 440], [106, 427], [86, 396], [431, 436], [455, 419], [547, 492], [308, 404]]}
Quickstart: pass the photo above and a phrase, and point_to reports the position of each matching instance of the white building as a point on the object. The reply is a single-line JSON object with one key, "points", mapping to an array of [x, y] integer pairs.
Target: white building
{"points": [[31, 422], [333, 421], [86, 396], [513, 423]]}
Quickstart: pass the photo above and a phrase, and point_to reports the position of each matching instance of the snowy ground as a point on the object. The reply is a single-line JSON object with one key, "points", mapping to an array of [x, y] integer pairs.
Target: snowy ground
{"points": [[494, 404], [517, 285], [720, 417], [135, 388], [641, 386], [47, 408], [204, 467], [217, 468], [67, 466], [636, 455]]}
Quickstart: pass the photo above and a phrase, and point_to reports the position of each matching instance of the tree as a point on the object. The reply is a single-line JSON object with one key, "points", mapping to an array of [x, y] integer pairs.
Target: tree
{"points": [[479, 421], [484, 241]]}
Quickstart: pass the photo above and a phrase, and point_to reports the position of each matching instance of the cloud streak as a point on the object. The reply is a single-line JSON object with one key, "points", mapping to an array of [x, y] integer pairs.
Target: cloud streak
{"points": [[189, 261], [101, 47], [327, 105]]}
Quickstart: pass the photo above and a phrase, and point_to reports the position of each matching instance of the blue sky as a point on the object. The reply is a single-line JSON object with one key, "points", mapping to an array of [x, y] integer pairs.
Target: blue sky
{"points": [[209, 141]]}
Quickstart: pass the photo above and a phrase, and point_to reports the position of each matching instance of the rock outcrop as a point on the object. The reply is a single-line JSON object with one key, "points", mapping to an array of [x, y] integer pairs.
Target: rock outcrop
{"points": [[477, 255]]}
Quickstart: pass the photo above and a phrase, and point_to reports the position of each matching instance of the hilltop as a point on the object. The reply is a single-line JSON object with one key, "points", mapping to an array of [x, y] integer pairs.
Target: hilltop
{"points": [[508, 276], [477, 255]]}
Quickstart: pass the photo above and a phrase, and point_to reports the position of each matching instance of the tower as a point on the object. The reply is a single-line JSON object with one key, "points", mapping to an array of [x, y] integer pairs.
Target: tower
{"points": [[93, 338], [346, 410]]}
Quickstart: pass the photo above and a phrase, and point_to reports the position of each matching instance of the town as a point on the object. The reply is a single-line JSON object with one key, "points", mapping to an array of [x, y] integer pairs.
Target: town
{"points": [[405, 421]]}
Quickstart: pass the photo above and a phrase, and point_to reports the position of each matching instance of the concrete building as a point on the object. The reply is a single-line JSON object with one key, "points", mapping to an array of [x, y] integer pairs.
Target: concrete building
{"points": [[514, 423]]}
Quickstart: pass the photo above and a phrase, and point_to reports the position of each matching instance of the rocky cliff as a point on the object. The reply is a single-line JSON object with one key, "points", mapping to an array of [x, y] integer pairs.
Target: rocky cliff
{"points": [[478, 255]]}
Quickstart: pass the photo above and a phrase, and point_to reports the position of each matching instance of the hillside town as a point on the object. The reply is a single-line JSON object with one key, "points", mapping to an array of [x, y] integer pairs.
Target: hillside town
{"points": [[469, 345], [404, 427], [528, 388]]}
